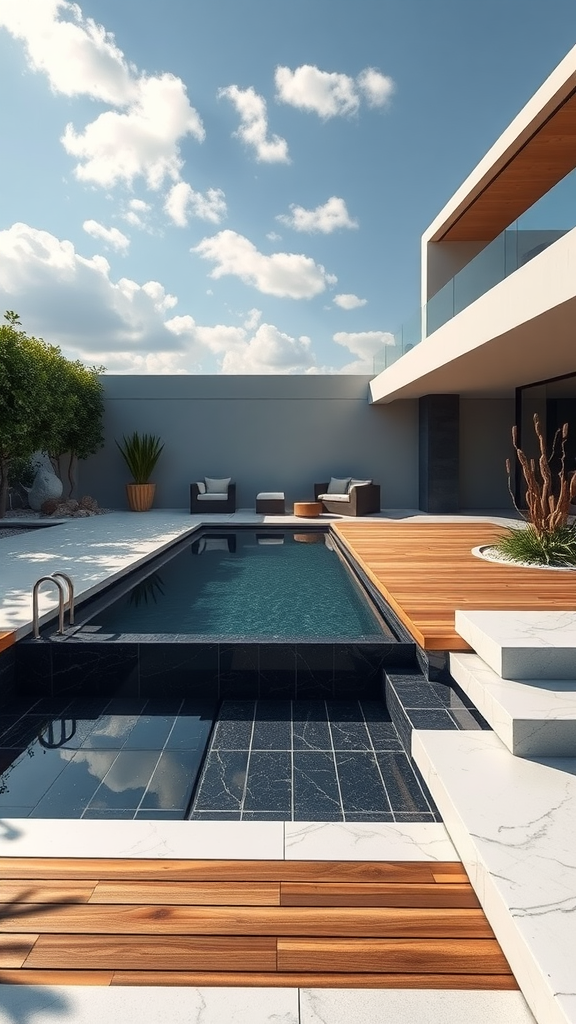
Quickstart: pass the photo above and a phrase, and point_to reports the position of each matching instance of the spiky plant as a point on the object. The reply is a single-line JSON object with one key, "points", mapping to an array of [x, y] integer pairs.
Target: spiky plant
{"points": [[548, 538], [141, 453]]}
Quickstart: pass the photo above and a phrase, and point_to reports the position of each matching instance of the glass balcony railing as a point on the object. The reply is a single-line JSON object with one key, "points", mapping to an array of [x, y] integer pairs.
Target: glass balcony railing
{"points": [[513, 248]]}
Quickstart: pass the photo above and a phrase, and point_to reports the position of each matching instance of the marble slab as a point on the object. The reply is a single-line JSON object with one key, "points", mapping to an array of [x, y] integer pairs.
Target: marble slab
{"points": [[532, 717], [77, 1004], [513, 822], [411, 1006], [522, 645], [367, 841], [203, 840]]}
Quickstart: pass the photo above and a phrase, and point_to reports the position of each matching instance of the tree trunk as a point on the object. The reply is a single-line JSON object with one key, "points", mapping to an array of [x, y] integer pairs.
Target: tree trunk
{"points": [[71, 473]]}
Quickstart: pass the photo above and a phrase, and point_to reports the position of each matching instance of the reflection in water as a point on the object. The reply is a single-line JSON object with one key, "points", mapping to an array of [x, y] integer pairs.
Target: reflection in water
{"points": [[147, 591], [47, 737]]}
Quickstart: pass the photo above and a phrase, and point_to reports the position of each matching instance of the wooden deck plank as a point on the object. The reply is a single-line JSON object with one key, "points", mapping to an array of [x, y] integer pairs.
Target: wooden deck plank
{"points": [[148, 953], [427, 570], [396, 955], [383, 894], [15, 948], [90, 919], [299, 979], [226, 894], [129, 870], [132, 922], [7, 638]]}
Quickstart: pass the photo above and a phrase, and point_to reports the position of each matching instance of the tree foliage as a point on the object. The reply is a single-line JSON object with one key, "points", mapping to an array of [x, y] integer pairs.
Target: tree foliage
{"points": [[47, 402]]}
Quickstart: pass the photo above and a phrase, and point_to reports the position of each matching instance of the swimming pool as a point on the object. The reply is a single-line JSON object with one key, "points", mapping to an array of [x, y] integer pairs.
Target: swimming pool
{"points": [[248, 585]]}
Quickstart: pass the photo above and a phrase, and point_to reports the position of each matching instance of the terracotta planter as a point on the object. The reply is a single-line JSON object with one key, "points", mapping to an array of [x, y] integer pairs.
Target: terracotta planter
{"points": [[140, 496]]}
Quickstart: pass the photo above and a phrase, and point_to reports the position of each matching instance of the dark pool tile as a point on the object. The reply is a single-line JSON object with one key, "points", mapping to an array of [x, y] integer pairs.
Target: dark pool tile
{"points": [[98, 669], [380, 727], [14, 812], [310, 725], [402, 786], [468, 718], [269, 783], [223, 781], [150, 732], [385, 816], [316, 794], [125, 783], [360, 782], [53, 707], [215, 816], [109, 813], [264, 816], [402, 816], [272, 725], [33, 668], [24, 731], [191, 731], [126, 705], [179, 669], [358, 669], [111, 732], [314, 671], [27, 774], [7, 674], [277, 670], [233, 729], [152, 814], [347, 726], [76, 784], [416, 692], [172, 782], [238, 671], [431, 718]]}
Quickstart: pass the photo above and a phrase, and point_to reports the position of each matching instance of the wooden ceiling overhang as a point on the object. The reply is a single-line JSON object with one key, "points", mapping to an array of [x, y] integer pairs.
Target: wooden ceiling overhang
{"points": [[532, 165]]}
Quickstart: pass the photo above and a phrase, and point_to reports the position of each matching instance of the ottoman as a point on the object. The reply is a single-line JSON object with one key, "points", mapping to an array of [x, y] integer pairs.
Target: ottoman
{"points": [[271, 503]]}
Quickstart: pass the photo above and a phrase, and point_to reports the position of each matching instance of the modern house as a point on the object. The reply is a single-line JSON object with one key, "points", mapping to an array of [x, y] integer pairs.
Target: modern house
{"points": [[494, 338]]}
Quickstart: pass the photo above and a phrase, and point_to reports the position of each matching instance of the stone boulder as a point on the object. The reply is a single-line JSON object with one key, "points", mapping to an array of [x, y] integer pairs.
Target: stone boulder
{"points": [[45, 485]]}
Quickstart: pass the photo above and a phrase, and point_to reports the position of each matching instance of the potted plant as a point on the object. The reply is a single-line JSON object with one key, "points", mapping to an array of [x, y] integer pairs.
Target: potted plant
{"points": [[141, 453]]}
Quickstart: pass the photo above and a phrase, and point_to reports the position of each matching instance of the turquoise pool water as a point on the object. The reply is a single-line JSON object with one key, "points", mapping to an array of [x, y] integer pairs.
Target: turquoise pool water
{"points": [[249, 585]]}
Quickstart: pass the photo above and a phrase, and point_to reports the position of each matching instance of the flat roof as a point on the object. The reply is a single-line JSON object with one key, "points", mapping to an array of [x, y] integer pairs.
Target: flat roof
{"points": [[535, 152]]}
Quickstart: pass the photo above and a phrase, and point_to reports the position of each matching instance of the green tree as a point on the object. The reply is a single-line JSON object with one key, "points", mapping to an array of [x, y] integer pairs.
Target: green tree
{"points": [[47, 403]]}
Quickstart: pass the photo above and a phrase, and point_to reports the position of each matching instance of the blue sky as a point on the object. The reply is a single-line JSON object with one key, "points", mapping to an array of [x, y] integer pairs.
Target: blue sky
{"points": [[240, 186]]}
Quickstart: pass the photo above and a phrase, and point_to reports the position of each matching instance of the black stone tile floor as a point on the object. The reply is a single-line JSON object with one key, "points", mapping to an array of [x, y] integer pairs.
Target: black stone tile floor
{"points": [[308, 760], [101, 758]]}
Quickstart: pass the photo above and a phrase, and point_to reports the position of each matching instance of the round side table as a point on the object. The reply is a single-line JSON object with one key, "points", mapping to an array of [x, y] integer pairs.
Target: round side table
{"points": [[308, 509]]}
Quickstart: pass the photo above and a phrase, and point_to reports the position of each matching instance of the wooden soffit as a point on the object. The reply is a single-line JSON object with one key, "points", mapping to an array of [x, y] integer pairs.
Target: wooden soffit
{"points": [[539, 163]]}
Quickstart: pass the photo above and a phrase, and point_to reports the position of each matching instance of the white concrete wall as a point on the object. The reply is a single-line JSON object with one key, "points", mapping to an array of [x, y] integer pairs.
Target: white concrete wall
{"points": [[268, 433]]}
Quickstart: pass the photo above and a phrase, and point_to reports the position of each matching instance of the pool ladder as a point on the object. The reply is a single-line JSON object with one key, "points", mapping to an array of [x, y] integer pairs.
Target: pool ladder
{"points": [[54, 578]]}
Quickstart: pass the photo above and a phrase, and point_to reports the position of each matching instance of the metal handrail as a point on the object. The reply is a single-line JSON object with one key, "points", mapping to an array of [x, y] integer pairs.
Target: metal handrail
{"points": [[35, 625], [70, 586]]}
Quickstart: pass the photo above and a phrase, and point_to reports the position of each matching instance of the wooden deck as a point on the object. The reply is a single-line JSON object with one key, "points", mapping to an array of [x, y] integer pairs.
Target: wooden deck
{"points": [[186, 922], [425, 571], [6, 639]]}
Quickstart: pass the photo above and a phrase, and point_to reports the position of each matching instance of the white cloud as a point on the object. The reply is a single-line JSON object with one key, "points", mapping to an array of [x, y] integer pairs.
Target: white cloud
{"points": [[329, 93], [73, 302], [274, 236], [327, 218], [365, 345], [143, 141], [349, 301], [141, 137], [136, 213], [270, 351], [377, 88], [253, 128], [284, 274], [267, 351], [111, 236], [183, 202], [78, 56]]}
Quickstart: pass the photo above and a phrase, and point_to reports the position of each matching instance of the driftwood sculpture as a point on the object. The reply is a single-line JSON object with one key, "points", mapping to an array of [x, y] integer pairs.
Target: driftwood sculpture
{"points": [[548, 506]]}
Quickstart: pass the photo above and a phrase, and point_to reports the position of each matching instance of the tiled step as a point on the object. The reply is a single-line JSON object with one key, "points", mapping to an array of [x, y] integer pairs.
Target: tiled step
{"points": [[522, 644], [513, 822], [532, 717]]}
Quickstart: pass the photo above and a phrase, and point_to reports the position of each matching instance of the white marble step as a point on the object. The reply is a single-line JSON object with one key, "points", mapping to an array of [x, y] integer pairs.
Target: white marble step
{"points": [[513, 822], [148, 1005], [523, 645], [532, 717]]}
